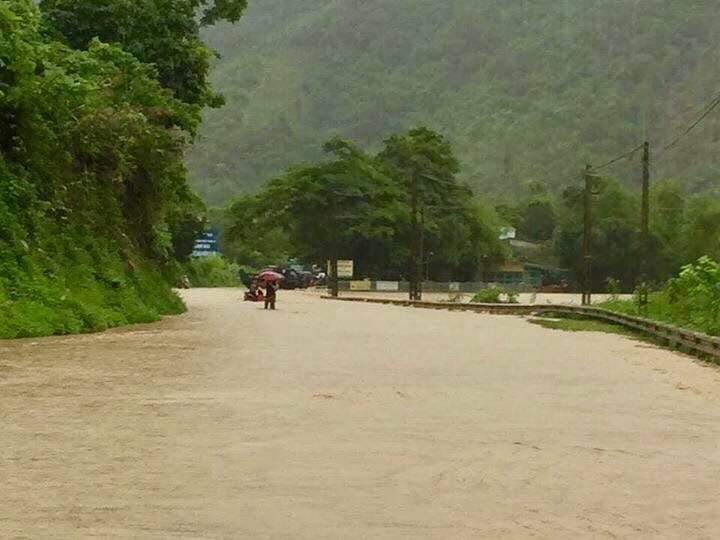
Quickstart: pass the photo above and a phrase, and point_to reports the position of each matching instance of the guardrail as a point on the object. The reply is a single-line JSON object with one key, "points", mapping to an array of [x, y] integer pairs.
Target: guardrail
{"points": [[367, 285], [696, 343]]}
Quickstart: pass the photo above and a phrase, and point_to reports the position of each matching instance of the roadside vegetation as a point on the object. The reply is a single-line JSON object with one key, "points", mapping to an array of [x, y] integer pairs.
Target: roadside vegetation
{"points": [[691, 300], [214, 271], [577, 324], [495, 295], [354, 204], [97, 220], [94, 204]]}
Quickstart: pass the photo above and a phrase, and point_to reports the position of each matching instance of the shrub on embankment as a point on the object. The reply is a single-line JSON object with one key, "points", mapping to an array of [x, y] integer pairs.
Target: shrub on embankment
{"points": [[215, 271], [495, 295], [691, 300], [70, 294]]}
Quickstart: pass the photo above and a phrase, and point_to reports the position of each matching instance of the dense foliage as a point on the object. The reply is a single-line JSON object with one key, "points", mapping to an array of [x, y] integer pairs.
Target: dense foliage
{"points": [[215, 271], [357, 205], [683, 227], [164, 33], [691, 300], [527, 90], [93, 194], [495, 295]]}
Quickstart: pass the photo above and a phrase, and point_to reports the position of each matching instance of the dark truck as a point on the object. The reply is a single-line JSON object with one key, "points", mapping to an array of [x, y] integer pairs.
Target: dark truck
{"points": [[293, 278]]}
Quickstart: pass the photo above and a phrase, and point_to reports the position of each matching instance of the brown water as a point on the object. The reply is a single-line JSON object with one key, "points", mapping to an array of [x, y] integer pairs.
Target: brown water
{"points": [[327, 420]]}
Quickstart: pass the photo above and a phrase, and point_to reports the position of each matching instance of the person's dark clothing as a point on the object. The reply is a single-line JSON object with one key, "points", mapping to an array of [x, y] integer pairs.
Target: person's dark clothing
{"points": [[270, 296]]}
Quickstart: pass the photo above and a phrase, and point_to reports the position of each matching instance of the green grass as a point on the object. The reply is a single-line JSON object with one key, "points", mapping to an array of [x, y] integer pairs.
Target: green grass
{"points": [[586, 325], [71, 295], [685, 312]]}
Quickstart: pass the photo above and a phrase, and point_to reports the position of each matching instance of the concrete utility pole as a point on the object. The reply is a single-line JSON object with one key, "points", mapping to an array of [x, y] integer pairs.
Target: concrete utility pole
{"points": [[421, 257], [645, 226], [587, 242], [414, 241], [334, 281], [334, 249]]}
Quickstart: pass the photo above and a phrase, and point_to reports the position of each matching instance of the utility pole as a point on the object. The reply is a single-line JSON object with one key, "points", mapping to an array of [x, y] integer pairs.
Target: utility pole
{"points": [[421, 258], [334, 248], [334, 282], [587, 244], [645, 226], [414, 247]]}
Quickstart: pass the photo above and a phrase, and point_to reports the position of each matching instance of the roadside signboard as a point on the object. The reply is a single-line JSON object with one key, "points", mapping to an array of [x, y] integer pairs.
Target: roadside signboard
{"points": [[207, 244], [387, 286], [346, 269], [365, 285]]}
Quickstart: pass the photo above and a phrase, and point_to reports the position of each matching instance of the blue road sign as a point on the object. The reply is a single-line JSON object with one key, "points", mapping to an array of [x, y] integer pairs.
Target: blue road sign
{"points": [[207, 244]]}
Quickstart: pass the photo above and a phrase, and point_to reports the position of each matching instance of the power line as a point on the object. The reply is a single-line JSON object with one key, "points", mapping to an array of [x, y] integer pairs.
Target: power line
{"points": [[626, 155], [714, 103], [709, 108]]}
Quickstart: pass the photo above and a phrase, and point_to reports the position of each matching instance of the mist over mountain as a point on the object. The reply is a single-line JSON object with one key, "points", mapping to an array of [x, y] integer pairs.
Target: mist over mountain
{"points": [[525, 90]]}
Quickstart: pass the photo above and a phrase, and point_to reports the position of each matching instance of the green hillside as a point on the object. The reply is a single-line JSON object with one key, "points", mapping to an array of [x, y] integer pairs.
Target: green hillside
{"points": [[98, 101], [525, 90]]}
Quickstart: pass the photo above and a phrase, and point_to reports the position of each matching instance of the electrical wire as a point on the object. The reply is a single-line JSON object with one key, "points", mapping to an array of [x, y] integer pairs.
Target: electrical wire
{"points": [[706, 112], [621, 157]]}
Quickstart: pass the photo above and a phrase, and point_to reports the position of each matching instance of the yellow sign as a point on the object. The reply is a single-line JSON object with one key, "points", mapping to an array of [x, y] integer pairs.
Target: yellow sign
{"points": [[361, 285], [346, 269]]}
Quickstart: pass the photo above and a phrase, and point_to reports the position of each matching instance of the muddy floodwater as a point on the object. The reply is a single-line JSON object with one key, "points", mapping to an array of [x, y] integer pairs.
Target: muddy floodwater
{"points": [[333, 420]]}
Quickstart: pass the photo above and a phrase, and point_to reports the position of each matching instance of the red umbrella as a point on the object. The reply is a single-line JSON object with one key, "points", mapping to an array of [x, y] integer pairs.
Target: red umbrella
{"points": [[270, 276]]}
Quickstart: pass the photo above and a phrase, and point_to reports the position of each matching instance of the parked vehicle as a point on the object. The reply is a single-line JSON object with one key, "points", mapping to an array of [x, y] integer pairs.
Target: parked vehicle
{"points": [[308, 279], [293, 280]]}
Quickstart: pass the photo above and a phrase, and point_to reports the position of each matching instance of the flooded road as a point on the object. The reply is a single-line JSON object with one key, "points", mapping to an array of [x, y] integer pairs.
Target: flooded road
{"points": [[332, 420]]}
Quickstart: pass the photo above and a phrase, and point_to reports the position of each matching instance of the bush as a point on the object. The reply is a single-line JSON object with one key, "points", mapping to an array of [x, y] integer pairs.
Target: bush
{"points": [[495, 295], [614, 287], [91, 165], [692, 300], [72, 297], [215, 271]]}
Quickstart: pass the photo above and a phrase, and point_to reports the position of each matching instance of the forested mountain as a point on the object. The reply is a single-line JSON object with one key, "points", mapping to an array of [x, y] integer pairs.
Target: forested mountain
{"points": [[525, 90]]}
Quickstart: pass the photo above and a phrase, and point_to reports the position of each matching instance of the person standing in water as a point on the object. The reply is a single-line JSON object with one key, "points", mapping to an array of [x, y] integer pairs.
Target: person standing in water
{"points": [[270, 294]]}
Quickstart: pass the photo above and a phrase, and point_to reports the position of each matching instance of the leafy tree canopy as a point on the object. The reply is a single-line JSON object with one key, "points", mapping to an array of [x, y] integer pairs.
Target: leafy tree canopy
{"points": [[356, 205], [164, 33]]}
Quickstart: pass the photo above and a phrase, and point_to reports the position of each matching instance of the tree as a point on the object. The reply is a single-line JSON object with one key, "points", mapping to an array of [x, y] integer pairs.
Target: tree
{"points": [[164, 33], [154, 68], [354, 205], [186, 222], [91, 173], [700, 234], [537, 222], [460, 232], [425, 157], [252, 237], [345, 207], [616, 235]]}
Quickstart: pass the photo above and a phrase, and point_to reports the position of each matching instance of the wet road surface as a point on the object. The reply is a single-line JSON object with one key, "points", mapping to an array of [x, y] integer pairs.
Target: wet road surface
{"points": [[330, 420]]}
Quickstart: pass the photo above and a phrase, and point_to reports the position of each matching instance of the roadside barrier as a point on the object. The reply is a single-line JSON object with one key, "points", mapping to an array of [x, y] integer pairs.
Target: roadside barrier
{"points": [[696, 343], [428, 286]]}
